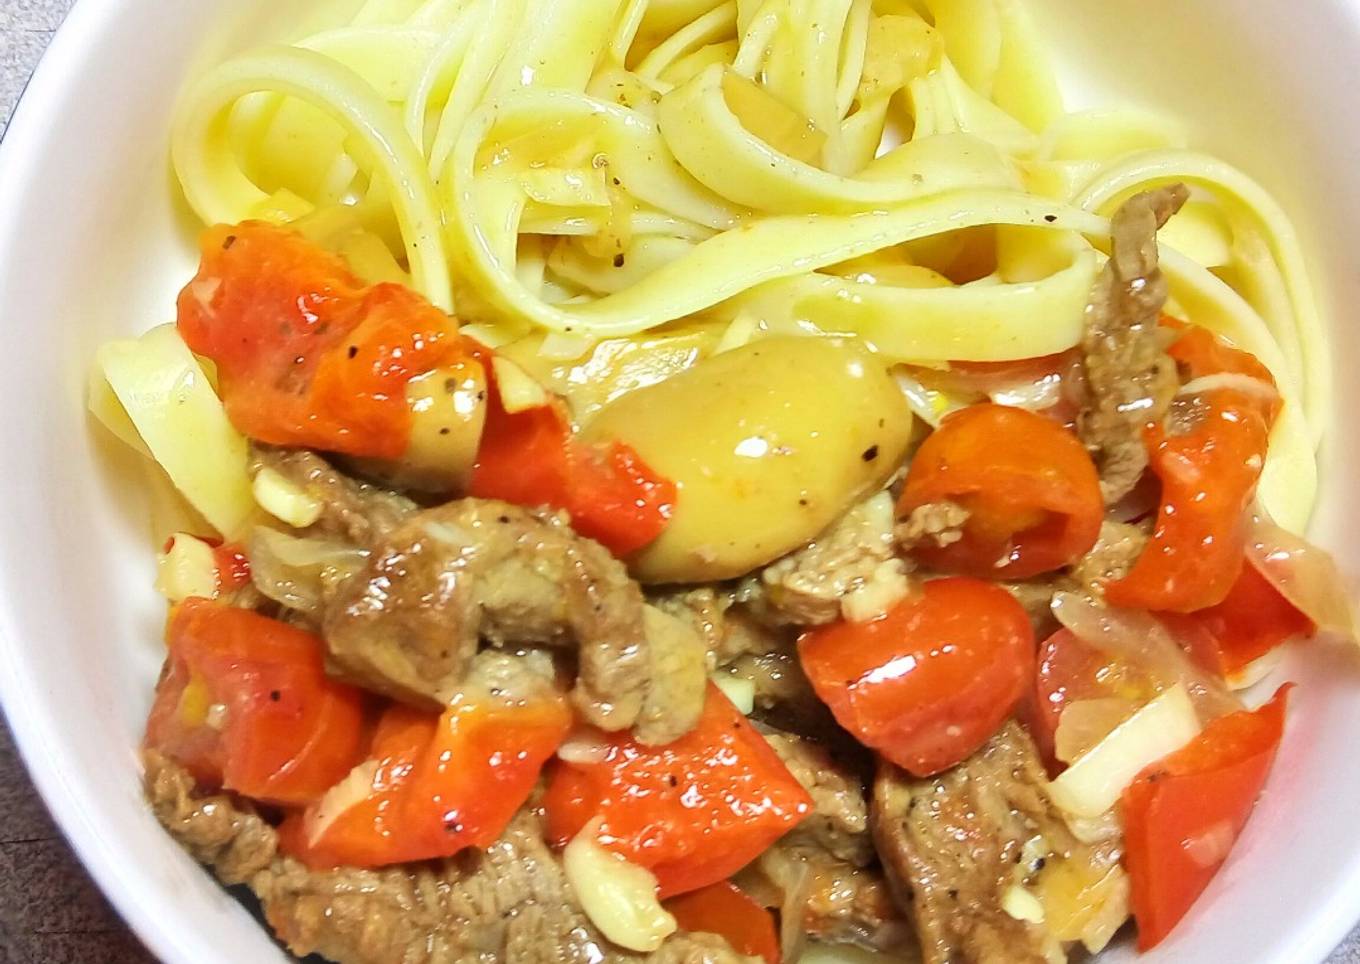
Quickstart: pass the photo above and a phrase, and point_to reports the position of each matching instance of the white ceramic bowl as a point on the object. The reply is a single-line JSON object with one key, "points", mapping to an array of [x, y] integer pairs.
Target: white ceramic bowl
{"points": [[94, 245]]}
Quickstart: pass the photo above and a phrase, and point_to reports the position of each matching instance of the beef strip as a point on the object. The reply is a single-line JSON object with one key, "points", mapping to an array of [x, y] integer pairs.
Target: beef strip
{"points": [[350, 509], [1116, 550], [940, 523], [725, 624], [1130, 379], [409, 623], [508, 903], [849, 570], [841, 903], [839, 823], [745, 648], [954, 844], [827, 865]]}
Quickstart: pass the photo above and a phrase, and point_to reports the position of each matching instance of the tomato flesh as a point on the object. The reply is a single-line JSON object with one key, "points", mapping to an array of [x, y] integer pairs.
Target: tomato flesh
{"points": [[306, 354], [244, 703], [725, 910], [927, 683], [1183, 813], [1252, 620], [1030, 488], [532, 458], [1208, 470], [433, 785], [694, 811]]}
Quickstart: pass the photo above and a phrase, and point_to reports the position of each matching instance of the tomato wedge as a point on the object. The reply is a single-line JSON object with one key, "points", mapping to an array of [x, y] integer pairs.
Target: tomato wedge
{"points": [[1251, 621], [306, 354], [244, 703], [1208, 467], [533, 458], [725, 910], [1183, 813], [1030, 488], [433, 784], [694, 812], [928, 682]]}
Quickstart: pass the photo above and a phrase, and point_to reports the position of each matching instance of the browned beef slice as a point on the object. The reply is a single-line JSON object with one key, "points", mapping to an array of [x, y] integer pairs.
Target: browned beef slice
{"points": [[741, 646], [827, 866], [350, 509], [807, 587], [509, 903], [410, 622], [1130, 378], [840, 902], [951, 845], [839, 823]]}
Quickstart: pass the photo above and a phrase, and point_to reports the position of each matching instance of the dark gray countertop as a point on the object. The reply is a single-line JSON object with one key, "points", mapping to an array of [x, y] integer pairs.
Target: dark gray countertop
{"points": [[50, 912]]}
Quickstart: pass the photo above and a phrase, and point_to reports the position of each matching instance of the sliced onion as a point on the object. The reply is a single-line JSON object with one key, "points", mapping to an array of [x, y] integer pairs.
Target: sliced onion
{"points": [[1304, 574], [797, 894], [1091, 786], [1035, 394], [1140, 639], [296, 571], [1085, 723]]}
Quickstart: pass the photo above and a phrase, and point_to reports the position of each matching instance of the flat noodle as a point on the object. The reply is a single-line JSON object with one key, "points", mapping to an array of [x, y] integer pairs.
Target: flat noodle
{"points": [[583, 167], [164, 396]]}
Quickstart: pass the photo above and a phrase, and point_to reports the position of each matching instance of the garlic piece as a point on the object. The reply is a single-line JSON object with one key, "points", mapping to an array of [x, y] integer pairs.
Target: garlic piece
{"points": [[619, 897]]}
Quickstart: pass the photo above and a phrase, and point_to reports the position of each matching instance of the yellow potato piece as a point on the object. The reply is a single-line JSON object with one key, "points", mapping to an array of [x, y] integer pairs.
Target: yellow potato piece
{"points": [[767, 444]]}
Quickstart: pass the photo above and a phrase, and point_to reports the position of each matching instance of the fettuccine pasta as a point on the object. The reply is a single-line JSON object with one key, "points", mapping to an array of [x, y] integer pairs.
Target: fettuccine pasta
{"points": [[571, 175]]}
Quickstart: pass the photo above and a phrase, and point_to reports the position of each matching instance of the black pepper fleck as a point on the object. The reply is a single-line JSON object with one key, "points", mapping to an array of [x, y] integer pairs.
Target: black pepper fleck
{"points": [[1050, 218], [275, 695], [228, 241], [618, 261], [444, 430], [870, 453], [353, 351]]}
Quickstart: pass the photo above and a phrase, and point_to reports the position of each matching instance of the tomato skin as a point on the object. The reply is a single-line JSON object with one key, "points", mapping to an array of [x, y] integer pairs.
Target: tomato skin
{"points": [[233, 567], [1208, 477], [1252, 619], [1031, 489], [533, 458], [287, 731], [725, 910], [1183, 813], [1199, 352], [927, 683], [441, 782], [694, 812], [306, 354]]}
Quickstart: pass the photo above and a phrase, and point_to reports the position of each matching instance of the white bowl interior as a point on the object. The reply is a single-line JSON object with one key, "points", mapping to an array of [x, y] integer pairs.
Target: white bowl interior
{"points": [[93, 245]]}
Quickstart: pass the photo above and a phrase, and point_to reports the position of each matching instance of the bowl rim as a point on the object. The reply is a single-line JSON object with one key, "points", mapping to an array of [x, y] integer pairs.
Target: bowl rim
{"points": [[31, 723]]}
